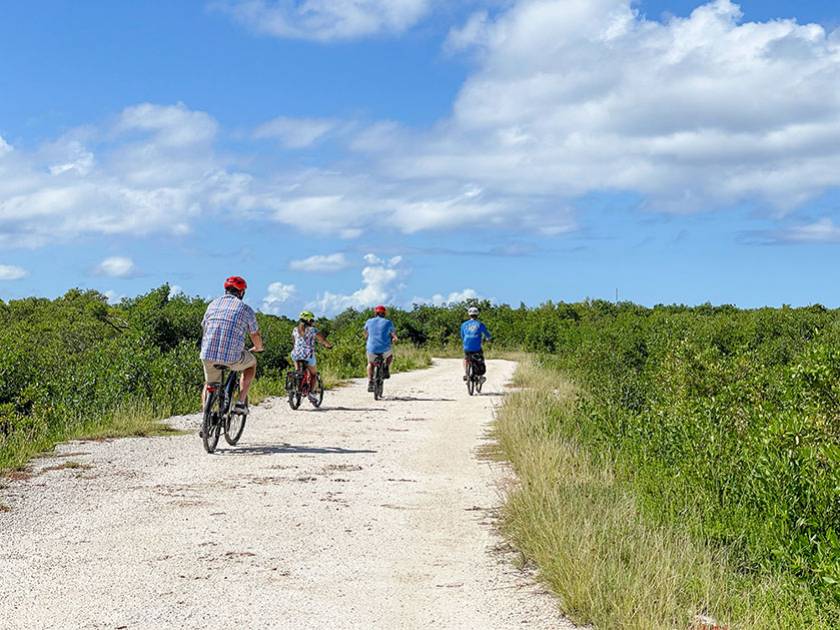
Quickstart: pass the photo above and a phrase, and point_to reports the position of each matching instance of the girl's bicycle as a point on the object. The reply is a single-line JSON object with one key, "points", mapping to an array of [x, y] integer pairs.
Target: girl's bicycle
{"points": [[300, 384]]}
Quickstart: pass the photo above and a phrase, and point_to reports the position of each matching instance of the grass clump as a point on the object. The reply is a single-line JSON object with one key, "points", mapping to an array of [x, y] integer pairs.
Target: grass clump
{"points": [[576, 513]]}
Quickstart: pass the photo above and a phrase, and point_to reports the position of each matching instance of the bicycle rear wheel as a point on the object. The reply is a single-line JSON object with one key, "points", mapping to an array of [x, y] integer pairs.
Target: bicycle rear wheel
{"points": [[470, 379], [378, 383], [234, 422], [479, 384], [212, 421]]}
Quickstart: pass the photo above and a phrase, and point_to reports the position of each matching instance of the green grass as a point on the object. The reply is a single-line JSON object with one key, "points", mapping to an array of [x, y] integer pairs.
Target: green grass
{"points": [[576, 517], [139, 419]]}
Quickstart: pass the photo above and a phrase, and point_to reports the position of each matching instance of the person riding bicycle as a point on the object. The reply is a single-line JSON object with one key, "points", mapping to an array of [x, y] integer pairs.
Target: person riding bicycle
{"points": [[473, 333], [380, 335], [305, 335], [225, 323]]}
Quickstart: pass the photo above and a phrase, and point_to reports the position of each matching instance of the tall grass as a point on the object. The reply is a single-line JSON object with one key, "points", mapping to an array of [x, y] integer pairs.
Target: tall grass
{"points": [[575, 514]]}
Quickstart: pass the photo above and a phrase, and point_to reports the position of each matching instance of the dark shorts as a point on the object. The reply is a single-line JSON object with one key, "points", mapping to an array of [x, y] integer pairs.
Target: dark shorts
{"points": [[474, 355]]}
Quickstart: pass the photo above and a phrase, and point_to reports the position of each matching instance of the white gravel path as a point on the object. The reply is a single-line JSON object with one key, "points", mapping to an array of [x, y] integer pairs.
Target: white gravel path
{"points": [[361, 515]]}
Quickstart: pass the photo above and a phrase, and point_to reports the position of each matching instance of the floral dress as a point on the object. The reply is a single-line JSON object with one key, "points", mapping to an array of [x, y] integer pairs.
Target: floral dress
{"points": [[304, 346]]}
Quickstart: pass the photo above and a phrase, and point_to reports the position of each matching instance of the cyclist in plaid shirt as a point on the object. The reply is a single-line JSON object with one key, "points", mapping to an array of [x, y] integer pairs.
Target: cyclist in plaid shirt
{"points": [[225, 323]]}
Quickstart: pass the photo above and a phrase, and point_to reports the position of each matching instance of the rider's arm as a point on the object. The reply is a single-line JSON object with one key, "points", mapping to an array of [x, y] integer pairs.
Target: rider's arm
{"points": [[256, 339], [323, 341]]}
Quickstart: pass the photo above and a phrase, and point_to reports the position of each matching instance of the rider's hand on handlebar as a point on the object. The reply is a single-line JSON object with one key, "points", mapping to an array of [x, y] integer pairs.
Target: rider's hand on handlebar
{"points": [[255, 349]]}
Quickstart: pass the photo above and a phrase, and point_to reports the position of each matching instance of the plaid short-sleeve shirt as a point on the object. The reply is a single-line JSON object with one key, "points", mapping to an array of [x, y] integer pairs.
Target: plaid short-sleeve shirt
{"points": [[225, 323]]}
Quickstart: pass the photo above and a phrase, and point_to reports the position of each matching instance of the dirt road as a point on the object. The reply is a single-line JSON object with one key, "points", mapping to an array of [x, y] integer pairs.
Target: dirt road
{"points": [[361, 515]]}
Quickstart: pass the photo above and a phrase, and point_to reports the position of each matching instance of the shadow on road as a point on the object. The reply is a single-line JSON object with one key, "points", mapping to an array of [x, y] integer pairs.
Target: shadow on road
{"points": [[345, 409], [417, 399], [291, 449]]}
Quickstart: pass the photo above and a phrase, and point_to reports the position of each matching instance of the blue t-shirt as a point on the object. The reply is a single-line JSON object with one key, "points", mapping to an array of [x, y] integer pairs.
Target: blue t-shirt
{"points": [[379, 332], [473, 332]]}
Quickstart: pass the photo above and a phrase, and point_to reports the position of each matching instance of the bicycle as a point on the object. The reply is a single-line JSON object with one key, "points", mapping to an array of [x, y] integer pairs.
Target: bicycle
{"points": [[218, 414], [476, 369], [378, 376], [299, 383]]}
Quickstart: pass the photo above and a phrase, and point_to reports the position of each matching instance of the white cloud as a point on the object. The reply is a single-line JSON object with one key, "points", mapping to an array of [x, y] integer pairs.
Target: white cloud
{"points": [[822, 231], [5, 147], [157, 172], [579, 96], [323, 263], [456, 297], [113, 297], [116, 267], [295, 133], [11, 272], [278, 294], [327, 20], [379, 280]]}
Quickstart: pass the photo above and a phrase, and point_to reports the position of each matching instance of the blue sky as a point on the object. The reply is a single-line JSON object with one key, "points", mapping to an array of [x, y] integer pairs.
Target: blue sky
{"points": [[421, 150]]}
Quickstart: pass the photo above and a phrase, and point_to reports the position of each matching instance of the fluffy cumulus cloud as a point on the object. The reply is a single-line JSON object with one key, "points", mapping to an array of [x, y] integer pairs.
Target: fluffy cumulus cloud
{"points": [[322, 263], [158, 172], [277, 296], [456, 297], [380, 280], [576, 96], [116, 267], [326, 20], [12, 272]]}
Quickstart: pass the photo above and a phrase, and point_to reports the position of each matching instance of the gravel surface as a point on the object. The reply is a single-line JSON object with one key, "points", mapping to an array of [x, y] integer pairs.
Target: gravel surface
{"points": [[363, 514]]}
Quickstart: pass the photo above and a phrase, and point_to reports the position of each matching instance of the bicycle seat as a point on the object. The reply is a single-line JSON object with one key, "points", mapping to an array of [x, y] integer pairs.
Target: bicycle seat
{"points": [[220, 367]]}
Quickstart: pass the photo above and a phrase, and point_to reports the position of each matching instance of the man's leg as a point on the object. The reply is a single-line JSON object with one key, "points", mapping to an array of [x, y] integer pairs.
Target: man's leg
{"points": [[245, 383]]}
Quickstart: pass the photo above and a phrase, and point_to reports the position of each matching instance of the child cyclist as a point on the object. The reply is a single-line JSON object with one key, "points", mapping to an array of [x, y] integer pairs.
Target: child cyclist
{"points": [[305, 335]]}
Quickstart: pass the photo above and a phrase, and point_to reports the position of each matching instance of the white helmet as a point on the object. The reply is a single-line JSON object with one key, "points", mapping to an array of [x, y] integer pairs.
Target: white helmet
{"points": [[472, 311]]}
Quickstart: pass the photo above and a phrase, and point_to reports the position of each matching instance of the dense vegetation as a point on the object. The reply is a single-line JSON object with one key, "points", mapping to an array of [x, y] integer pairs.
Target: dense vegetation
{"points": [[725, 423]]}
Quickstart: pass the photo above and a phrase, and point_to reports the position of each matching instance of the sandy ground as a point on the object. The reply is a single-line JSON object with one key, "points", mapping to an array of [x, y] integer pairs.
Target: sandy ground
{"points": [[361, 515]]}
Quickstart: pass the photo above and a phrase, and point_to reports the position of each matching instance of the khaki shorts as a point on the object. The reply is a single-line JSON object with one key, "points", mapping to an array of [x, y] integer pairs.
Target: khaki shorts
{"points": [[213, 374], [387, 355]]}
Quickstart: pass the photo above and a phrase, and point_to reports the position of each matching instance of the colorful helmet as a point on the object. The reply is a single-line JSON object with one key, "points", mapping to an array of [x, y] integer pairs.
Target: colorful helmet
{"points": [[380, 310], [306, 316], [235, 282], [472, 311]]}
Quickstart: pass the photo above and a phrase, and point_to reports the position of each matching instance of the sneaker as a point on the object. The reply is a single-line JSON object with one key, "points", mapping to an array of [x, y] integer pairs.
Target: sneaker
{"points": [[483, 379], [370, 386], [465, 377], [241, 408], [386, 371], [313, 398]]}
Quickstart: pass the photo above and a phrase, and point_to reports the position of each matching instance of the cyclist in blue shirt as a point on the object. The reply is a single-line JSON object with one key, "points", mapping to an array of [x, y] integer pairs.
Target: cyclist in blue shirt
{"points": [[380, 335], [473, 333]]}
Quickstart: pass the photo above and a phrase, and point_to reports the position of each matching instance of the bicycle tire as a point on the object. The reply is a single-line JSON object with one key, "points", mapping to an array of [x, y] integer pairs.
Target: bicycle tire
{"points": [[470, 379], [234, 422], [377, 382], [479, 384], [210, 423]]}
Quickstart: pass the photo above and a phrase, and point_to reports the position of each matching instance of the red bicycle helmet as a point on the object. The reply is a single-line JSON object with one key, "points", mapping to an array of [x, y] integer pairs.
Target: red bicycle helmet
{"points": [[380, 310], [235, 282]]}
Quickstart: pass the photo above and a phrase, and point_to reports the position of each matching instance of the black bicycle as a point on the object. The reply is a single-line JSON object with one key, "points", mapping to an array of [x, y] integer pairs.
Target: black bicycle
{"points": [[300, 384], [378, 376], [218, 415], [476, 368]]}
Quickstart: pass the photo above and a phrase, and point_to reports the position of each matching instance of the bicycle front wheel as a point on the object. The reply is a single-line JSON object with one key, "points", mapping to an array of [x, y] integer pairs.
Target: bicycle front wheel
{"points": [[470, 380], [211, 423]]}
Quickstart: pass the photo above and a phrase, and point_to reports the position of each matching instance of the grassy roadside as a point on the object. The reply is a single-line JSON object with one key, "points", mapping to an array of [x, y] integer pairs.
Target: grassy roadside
{"points": [[574, 514], [138, 418]]}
